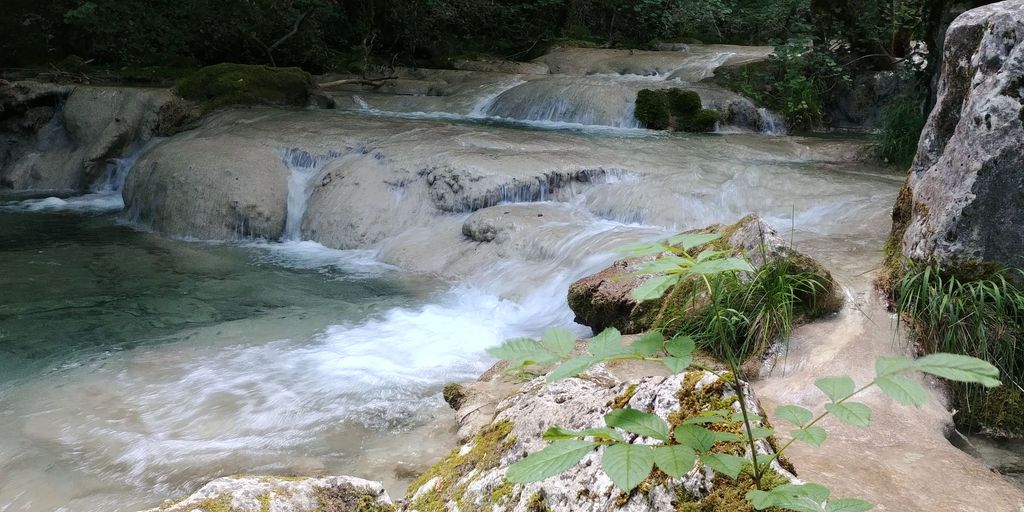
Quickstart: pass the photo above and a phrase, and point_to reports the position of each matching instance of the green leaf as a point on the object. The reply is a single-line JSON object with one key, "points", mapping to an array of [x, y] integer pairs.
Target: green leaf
{"points": [[572, 368], [836, 388], [663, 266], [849, 505], [890, 365], [814, 436], [655, 287], [628, 464], [903, 389], [642, 249], [688, 241], [798, 498], [794, 414], [556, 458], [724, 463], [559, 341], [675, 460], [681, 346], [638, 422], [761, 432], [721, 265], [851, 413], [677, 364], [698, 438], [556, 433], [760, 499], [960, 369], [648, 343], [608, 344], [522, 352]]}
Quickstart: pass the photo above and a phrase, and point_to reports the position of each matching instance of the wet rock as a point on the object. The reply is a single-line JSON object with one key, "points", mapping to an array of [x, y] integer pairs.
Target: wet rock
{"points": [[502, 66], [606, 299], [284, 494], [64, 137], [964, 202], [472, 476]]}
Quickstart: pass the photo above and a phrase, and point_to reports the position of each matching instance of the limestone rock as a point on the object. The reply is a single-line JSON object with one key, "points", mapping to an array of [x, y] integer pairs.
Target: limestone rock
{"points": [[63, 138], [284, 494], [472, 476], [606, 300], [964, 203], [502, 66]]}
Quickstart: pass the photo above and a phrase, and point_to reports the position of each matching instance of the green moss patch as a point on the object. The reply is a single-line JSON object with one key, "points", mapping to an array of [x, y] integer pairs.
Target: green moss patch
{"points": [[677, 109], [485, 453], [239, 84], [729, 495]]}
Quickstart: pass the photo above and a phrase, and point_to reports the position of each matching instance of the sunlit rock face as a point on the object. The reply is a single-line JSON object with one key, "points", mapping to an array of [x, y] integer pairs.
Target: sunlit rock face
{"points": [[965, 200]]}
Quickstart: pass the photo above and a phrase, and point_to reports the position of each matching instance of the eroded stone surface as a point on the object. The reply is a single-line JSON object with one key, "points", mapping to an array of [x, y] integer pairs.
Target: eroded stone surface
{"points": [[283, 494]]}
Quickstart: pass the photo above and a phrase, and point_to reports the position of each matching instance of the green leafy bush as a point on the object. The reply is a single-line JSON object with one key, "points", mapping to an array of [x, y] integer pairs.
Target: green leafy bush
{"points": [[674, 108], [899, 130], [704, 120], [240, 84]]}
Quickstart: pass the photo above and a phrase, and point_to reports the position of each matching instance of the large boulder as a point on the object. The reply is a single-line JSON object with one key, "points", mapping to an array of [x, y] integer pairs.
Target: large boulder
{"points": [[472, 477], [61, 138], [606, 300], [284, 494], [963, 206]]}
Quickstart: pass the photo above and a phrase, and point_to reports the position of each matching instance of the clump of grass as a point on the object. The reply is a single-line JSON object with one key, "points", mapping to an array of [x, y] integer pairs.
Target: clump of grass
{"points": [[898, 132], [981, 317]]}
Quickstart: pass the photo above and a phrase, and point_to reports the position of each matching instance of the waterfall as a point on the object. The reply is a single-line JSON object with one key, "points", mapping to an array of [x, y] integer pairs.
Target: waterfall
{"points": [[303, 168], [483, 106], [770, 122]]}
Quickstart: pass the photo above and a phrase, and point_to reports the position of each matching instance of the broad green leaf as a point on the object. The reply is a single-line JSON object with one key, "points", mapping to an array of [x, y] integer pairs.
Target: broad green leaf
{"points": [[724, 463], [572, 368], [556, 458], [903, 389], [851, 413], [665, 265], [655, 287], [721, 265], [608, 344], [960, 369], [890, 365], [628, 464], [638, 422], [794, 414], [556, 433], [761, 432], [760, 499], [707, 254], [814, 436], [702, 439], [675, 460], [681, 346], [522, 352], [688, 241], [648, 343], [836, 388], [559, 341], [738, 416], [642, 249], [798, 498], [848, 505], [677, 364]]}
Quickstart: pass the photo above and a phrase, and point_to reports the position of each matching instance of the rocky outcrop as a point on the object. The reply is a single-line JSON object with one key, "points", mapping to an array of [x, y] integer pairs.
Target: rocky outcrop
{"points": [[284, 494], [62, 138], [606, 299], [502, 66], [963, 206], [472, 477]]}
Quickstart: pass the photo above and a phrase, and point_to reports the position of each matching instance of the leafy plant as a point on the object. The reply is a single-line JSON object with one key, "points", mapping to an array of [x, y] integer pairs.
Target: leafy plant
{"points": [[899, 130], [628, 462], [983, 317]]}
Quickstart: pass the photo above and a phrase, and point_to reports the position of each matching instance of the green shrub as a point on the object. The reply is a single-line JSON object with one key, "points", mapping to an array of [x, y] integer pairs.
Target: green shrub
{"points": [[704, 120], [683, 103], [240, 84], [898, 131], [981, 317], [652, 110]]}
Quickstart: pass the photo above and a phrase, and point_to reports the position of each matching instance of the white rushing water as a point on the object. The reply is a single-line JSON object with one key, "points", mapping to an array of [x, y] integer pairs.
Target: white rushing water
{"points": [[303, 168]]}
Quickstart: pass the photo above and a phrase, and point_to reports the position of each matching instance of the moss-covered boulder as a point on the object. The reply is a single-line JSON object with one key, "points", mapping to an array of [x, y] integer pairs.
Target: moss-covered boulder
{"points": [[606, 299], [472, 477], [241, 84], [677, 109], [294, 494]]}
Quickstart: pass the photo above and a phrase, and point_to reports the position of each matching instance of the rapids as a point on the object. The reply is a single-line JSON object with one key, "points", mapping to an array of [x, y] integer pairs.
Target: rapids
{"points": [[287, 291]]}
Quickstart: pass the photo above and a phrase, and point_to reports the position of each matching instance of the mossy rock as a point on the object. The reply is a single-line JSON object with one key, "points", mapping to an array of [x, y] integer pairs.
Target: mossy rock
{"points": [[241, 84], [652, 110], [675, 109]]}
